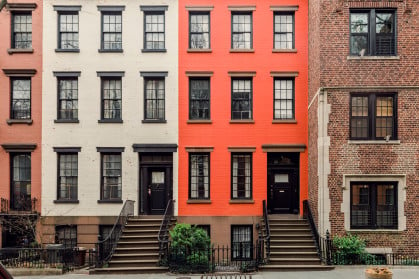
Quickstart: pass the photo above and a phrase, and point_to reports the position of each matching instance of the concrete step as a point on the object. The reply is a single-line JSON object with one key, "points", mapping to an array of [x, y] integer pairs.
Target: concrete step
{"points": [[307, 248], [135, 256], [129, 270], [269, 267], [294, 261], [133, 230], [128, 244], [293, 254], [292, 237], [292, 242], [133, 263], [137, 249], [138, 237]]}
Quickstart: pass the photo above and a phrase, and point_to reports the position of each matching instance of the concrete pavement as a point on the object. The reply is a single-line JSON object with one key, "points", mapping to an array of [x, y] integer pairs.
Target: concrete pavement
{"points": [[347, 272]]}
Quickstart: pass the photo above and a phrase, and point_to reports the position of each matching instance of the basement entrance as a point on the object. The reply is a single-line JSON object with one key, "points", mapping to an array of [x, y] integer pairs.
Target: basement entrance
{"points": [[283, 183]]}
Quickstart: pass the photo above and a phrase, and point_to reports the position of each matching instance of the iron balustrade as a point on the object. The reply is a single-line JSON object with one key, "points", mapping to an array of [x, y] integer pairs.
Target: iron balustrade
{"points": [[267, 231], [106, 247], [20, 204], [163, 236]]}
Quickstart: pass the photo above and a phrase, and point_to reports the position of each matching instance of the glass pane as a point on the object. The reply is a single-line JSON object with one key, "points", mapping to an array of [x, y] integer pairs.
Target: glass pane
{"points": [[157, 177], [384, 23], [359, 23], [281, 178]]}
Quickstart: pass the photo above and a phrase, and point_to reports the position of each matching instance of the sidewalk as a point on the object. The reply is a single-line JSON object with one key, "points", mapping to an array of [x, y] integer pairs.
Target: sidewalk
{"points": [[353, 272]]}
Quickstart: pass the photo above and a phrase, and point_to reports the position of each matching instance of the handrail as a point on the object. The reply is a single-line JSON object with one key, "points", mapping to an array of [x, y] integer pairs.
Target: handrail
{"points": [[323, 244], [163, 236], [267, 230], [26, 206], [106, 247]]}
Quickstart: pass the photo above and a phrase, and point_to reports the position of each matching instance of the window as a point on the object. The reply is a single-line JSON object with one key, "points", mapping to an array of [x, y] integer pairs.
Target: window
{"points": [[283, 30], [21, 181], [199, 30], [372, 32], [68, 98], [111, 176], [111, 31], [68, 32], [154, 31], [154, 99], [199, 98], [66, 235], [241, 30], [22, 30], [241, 242], [373, 116], [199, 178], [241, 99], [283, 98], [111, 98], [374, 205], [21, 98], [67, 176], [241, 175], [206, 228]]}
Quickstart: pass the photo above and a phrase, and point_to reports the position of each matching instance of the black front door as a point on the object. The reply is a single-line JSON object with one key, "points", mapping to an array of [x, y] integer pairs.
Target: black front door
{"points": [[283, 191], [156, 190]]}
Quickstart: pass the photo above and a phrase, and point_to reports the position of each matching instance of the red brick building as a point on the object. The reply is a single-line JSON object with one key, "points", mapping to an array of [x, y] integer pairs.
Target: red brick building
{"points": [[363, 120]]}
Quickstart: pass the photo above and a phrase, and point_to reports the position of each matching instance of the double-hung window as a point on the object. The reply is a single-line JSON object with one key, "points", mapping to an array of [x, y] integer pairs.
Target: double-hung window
{"points": [[21, 181], [241, 175], [66, 235], [68, 28], [199, 175], [241, 242], [111, 33], [241, 30], [241, 99], [111, 177], [154, 96], [373, 117], [67, 96], [199, 30], [154, 28], [111, 95], [374, 205], [67, 176], [373, 32], [284, 98], [22, 30], [199, 98], [284, 30], [20, 99]]}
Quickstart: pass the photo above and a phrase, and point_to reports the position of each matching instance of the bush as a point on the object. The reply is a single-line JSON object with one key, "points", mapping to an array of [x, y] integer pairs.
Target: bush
{"points": [[350, 249]]}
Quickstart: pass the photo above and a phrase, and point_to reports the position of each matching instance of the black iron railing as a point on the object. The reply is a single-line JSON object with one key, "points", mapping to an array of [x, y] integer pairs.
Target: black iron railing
{"points": [[163, 236], [323, 244], [267, 231], [375, 259], [21, 203], [106, 247]]}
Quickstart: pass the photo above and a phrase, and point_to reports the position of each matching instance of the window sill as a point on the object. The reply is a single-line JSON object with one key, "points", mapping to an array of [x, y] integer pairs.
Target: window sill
{"points": [[241, 201], [110, 121], [66, 121], [287, 50], [248, 50], [199, 50], [19, 121], [110, 201], [191, 201], [153, 121], [110, 50], [19, 50], [67, 50], [374, 142], [199, 121], [284, 121], [245, 121], [154, 50], [351, 57], [376, 230], [66, 201]]}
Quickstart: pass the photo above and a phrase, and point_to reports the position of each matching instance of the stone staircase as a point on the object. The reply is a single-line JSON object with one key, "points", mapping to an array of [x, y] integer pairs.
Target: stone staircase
{"points": [[138, 248], [293, 247]]}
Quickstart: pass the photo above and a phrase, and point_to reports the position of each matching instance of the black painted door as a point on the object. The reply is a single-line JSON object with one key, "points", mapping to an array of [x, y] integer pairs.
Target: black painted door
{"points": [[156, 190], [283, 191]]}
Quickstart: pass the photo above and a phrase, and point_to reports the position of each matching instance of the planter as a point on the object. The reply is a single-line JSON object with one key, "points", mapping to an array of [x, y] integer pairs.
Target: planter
{"points": [[378, 273]]}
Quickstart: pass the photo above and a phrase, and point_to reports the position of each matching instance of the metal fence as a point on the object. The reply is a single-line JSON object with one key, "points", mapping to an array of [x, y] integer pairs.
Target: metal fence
{"points": [[375, 259]]}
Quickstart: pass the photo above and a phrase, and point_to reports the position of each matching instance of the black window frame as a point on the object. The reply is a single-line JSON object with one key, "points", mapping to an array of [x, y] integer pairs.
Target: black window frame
{"points": [[60, 32], [238, 253], [372, 117], [73, 188], [103, 196], [70, 230], [372, 35], [118, 116], [102, 33], [280, 13], [201, 101], [202, 194], [73, 113], [372, 215], [199, 13], [20, 201], [28, 113], [145, 32], [14, 14], [237, 13], [250, 99], [280, 99], [159, 118], [243, 196]]}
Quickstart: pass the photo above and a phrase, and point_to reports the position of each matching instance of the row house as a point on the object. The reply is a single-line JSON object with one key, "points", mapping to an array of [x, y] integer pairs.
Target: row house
{"points": [[363, 115], [243, 79], [20, 119], [110, 114]]}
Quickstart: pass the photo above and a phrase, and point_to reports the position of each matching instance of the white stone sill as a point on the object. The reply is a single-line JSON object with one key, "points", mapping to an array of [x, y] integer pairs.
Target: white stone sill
{"points": [[390, 142]]}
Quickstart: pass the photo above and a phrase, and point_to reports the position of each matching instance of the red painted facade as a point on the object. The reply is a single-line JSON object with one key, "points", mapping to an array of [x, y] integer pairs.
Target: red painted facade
{"points": [[219, 133]]}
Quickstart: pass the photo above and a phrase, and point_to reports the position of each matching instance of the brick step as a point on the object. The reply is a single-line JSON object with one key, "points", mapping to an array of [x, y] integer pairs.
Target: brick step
{"points": [[269, 267], [133, 263], [135, 256], [293, 254], [294, 261], [129, 270], [307, 248]]}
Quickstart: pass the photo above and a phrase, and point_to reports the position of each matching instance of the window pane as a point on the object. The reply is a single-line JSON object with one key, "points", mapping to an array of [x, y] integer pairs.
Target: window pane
{"points": [[199, 175], [359, 23], [360, 208], [241, 176]]}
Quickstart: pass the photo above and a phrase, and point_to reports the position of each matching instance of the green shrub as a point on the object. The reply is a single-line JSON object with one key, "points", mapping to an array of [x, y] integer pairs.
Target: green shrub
{"points": [[350, 249]]}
